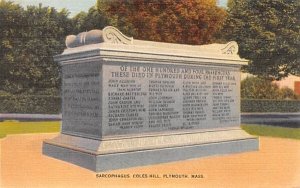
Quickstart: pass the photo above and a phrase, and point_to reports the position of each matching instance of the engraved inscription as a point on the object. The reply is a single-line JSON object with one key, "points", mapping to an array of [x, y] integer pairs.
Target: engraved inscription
{"points": [[195, 104], [125, 105], [162, 104], [81, 99], [141, 98]]}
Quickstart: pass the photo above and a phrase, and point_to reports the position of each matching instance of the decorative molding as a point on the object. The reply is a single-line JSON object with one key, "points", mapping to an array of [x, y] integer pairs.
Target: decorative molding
{"points": [[113, 35], [230, 48], [109, 34]]}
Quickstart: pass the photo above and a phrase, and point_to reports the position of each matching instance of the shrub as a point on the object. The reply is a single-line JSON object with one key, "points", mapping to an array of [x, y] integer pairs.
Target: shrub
{"points": [[253, 105], [260, 88], [31, 104], [287, 93]]}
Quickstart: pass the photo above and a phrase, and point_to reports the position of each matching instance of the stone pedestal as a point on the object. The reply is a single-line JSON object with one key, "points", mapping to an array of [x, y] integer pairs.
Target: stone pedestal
{"points": [[129, 103]]}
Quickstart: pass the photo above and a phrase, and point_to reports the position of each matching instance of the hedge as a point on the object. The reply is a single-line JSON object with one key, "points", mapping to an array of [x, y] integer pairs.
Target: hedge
{"points": [[43, 104], [266, 105], [30, 104]]}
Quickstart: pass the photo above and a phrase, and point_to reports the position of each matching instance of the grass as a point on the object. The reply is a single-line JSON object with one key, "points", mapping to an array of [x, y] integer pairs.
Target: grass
{"points": [[264, 130], [16, 127]]}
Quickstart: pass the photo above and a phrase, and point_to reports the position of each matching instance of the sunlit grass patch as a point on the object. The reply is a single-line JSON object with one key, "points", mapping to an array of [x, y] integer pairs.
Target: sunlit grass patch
{"points": [[15, 127], [272, 131]]}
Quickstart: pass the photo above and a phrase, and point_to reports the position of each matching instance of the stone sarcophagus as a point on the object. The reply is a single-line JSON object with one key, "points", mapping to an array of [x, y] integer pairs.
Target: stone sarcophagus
{"points": [[128, 102]]}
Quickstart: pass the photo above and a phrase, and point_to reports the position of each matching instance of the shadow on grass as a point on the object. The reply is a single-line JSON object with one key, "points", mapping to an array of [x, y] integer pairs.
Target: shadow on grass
{"points": [[272, 131]]}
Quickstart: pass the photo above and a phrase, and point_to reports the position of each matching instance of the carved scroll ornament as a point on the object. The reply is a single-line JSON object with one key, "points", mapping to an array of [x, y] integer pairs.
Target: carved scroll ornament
{"points": [[230, 48]]}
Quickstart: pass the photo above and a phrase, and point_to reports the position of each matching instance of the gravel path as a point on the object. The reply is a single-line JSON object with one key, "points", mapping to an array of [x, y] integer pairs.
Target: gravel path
{"points": [[276, 164]]}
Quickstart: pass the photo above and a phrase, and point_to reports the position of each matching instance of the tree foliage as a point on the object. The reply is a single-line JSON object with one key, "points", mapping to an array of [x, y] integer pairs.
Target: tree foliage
{"points": [[268, 33], [11, 21], [93, 19], [181, 21], [29, 39]]}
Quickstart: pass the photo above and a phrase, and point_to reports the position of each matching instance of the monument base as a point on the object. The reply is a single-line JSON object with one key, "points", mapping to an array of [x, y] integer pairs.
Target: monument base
{"points": [[113, 154]]}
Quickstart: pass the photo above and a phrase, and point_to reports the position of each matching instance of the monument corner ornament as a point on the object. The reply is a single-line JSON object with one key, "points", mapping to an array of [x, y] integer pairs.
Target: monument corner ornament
{"points": [[128, 102]]}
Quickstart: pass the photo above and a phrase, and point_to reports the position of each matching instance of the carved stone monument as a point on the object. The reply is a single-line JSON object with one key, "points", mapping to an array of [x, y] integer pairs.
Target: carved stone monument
{"points": [[128, 102]]}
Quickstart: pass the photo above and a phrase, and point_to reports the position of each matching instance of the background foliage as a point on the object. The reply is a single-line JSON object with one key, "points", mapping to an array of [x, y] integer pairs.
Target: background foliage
{"points": [[39, 104], [30, 104], [268, 34], [181, 21], [93, 19], [28, 41], [260, 88], [267, 105]]}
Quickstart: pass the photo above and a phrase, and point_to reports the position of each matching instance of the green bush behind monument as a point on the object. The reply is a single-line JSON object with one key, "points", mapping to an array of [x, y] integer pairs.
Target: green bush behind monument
{"points": [[269, 105], [262, 88], [39, 104], [30, 104]]}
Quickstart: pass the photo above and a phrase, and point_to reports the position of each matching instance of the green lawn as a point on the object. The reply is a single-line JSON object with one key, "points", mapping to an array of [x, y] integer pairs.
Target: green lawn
{"points": [[15, 127], [264, 130]]}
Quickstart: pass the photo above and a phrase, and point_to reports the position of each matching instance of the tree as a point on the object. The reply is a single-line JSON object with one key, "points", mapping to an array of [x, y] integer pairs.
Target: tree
{"points": [[181, 21], [92, 20], [11, 29], [29, 40], [268, 34]]}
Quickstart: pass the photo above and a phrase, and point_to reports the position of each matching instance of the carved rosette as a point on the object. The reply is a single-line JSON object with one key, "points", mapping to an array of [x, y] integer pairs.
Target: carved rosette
{"points": [[230, 48]]}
